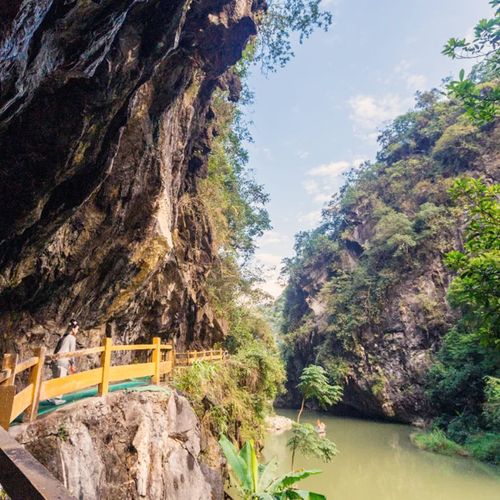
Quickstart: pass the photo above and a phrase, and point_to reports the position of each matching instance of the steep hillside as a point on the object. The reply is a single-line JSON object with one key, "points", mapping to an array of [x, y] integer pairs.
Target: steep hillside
{"points": [[105, 129], [366, 297]]}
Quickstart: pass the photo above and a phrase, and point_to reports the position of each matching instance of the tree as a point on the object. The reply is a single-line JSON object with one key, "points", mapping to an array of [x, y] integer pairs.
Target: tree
{"points": [[476, 289], [284, 17], [463, 384], [257, 481], [313, 384], [481, 100], [306, 439]]}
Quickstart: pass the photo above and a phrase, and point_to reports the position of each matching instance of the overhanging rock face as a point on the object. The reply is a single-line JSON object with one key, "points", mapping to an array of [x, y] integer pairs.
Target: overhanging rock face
{"points": [[104, 132]]}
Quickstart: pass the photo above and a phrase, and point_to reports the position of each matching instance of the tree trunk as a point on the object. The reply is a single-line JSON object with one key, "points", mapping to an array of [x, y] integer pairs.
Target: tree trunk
{"points": [[301, 409]]}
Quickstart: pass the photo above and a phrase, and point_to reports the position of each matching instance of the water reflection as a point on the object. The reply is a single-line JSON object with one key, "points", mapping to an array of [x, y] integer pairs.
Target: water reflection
{"points": [[378, 462]]}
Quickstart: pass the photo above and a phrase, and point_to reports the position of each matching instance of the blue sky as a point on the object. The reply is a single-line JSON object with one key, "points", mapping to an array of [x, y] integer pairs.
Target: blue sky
{"points": [[320, 114]]}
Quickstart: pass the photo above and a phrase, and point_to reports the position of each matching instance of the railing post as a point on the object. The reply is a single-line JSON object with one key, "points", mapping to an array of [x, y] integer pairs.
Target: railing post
{"points": [[8, 390], [105, 365], [36, 376], [156, 360], [9, 363]]}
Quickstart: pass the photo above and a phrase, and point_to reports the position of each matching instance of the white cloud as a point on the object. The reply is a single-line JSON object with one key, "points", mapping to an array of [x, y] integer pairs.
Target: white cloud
{"points": [[416, 82], [327, 179], [273, 237], [369, 112], [310, 219], [268, 259], [470, 34], [357, 162], [402, 72], [332, 169], [272, 287]]}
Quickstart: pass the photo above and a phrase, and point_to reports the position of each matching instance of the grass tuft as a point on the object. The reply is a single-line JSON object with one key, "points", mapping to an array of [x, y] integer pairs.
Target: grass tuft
{"points": [[437, 442]]}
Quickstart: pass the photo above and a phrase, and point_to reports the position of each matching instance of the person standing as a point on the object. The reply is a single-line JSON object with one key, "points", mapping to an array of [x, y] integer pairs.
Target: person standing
{"points": [[61, 367]]}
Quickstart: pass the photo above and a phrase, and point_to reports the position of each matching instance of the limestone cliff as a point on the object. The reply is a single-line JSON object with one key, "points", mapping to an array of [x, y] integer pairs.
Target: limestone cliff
{"points": [[367, 291], [105, 128], [127, 445]]}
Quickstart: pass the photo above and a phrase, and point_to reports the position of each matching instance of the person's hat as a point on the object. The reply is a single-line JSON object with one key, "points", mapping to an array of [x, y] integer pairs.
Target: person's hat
{"points": [[73, 323]]}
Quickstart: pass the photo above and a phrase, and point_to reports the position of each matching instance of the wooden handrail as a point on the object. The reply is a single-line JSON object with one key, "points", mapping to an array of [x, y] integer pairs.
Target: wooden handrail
{"points": [[20, 474], [20, 367], [13, 403], [5, 374], [75, 354], [190, 357], [138, 347]]}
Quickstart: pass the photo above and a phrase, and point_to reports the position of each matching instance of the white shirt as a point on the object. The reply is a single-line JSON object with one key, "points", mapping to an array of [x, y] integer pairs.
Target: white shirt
{"points": [[68, 345]]}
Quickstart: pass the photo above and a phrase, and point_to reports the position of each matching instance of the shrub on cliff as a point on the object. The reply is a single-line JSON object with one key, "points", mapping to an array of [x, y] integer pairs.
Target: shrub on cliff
{"points": [[234, 396], [463, 383]]}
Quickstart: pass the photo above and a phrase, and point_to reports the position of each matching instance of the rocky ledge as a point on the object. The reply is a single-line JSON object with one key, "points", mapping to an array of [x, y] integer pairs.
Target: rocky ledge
{"points": [[127, 445]]}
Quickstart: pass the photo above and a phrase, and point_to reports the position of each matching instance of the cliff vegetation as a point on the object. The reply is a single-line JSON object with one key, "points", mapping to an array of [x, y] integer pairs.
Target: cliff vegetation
{"points": [[369, 294]]}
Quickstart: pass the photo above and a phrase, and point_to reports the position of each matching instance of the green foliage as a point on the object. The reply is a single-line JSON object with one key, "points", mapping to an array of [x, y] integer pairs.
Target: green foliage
{"points": [[258, 481], [62, 433], [234, 201], [239, 392], [392, 222], [393, 235], [491, 409], [282, 19], [336, 368], [234, 398], [456, 381], [481, 101], [313, 384], [403, 202], [306, 439], [463, 384], [484, 446], [465, 394], [457, 147], [476, 289], [437, 442]]}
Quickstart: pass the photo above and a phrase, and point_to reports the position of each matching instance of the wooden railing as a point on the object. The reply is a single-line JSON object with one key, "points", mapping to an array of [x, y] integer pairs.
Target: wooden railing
{"points": [[13, 403], [190, 357]]}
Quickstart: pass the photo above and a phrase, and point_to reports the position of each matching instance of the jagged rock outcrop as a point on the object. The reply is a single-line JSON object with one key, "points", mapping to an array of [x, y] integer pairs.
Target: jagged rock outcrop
{"points": [[105, 127], [388, 364], [367, 296], [127, 445]]}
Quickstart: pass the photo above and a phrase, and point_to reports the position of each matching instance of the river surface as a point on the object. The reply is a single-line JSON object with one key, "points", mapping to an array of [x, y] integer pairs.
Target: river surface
{"points": [[376, 461]]}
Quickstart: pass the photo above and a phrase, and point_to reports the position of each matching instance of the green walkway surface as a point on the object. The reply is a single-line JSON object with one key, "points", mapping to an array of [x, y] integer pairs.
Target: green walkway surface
{"points": [[46, 407]]}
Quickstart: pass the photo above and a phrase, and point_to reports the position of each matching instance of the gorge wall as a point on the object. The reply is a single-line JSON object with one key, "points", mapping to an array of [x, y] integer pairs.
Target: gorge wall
{"points": [[105, 128], [367, 292]]}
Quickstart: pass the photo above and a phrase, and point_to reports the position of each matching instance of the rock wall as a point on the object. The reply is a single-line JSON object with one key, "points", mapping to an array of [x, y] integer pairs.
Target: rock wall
{"points": [[374, 317], [390, 360], [105, 128], [127, 445]]}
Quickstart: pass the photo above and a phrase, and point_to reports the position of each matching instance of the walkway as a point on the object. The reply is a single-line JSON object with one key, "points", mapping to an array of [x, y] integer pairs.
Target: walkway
{"points": [[17, 466]]}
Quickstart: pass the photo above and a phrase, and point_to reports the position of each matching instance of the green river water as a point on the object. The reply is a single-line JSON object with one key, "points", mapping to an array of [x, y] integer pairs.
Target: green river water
{"points": [[377, 461]]}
